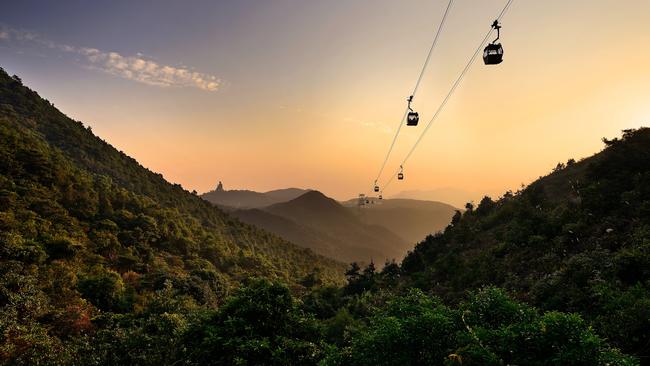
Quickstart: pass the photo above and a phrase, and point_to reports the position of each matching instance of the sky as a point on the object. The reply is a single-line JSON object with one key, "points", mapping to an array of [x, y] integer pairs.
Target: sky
{"points": [[271, 94]]}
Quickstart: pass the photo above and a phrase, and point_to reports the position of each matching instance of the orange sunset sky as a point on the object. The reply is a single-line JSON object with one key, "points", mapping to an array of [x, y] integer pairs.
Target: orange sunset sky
{"points": [[309, 93]]}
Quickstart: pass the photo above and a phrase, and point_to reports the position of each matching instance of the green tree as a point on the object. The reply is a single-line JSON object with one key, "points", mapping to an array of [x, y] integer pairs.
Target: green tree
{"points": [[262, 324]]}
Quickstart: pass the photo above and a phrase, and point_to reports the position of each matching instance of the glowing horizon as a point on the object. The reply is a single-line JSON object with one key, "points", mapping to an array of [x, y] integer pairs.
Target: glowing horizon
{"points": [[308, 94]]}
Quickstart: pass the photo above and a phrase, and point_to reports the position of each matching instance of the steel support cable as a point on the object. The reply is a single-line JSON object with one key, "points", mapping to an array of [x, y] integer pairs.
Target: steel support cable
{"points": [[451, 92], [415, 89]]}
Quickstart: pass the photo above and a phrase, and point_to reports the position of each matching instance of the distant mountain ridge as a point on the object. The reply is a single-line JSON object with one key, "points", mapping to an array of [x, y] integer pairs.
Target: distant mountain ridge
{"points": [[302, 235], [313, 207], [410, 219], [322, 224], [338, 230], [454, 196], [244, 199]]}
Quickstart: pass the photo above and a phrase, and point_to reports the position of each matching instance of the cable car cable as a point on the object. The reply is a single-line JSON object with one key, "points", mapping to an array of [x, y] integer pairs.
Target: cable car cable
{"points": [[451, 91], [433, 46], [417, 85]]}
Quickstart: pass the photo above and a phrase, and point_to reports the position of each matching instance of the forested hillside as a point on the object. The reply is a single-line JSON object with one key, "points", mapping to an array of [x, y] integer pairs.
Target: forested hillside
{"points": [[577, 240], [103, 262], [85, 230], [245, 199]]}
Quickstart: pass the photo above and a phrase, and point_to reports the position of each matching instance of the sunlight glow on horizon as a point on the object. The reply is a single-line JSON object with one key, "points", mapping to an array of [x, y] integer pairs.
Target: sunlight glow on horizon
{"points": [[313, 98]]}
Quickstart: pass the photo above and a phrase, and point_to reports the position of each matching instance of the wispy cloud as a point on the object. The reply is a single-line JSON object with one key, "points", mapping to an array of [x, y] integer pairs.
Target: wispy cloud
{"points": [[137, 68]]}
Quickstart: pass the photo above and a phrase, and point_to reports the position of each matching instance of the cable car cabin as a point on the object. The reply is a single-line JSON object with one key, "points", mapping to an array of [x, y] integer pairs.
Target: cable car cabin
{"points": [[376, 188], [400, 176], [412, 119], [380, 197], [493, 54]]}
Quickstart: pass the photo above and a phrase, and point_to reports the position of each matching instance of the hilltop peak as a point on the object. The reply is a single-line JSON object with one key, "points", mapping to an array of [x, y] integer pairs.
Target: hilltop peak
{"points": [[313, 206], [314, 200], [243, 199], [313, 195]]}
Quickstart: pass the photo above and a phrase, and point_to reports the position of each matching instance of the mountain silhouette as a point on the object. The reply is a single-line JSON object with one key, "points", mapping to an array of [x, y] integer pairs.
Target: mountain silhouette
{"points": [[303, 235], [322, 224], [242, 199], [313, 208], [410, 219], [453, 196]]}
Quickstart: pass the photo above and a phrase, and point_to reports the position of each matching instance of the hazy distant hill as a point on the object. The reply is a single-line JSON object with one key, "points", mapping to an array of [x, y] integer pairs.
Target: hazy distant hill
{"points": [[303, 235], [454, 196], [324, 225], [410, 219], [242, 199]]}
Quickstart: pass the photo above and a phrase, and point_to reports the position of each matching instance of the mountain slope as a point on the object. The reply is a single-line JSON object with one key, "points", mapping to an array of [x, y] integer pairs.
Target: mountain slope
{"points": [[321, 223], [85, 230], [305, 236], [454, 196], [410, 219], [243, 199], [286, 194], [312, 208], [577, 240]]}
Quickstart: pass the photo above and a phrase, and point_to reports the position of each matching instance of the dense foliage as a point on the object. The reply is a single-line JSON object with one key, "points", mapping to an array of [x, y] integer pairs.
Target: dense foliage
{"points": [[487, 329], [262, 323], [577, 240], [102, 262], [86, 232]]}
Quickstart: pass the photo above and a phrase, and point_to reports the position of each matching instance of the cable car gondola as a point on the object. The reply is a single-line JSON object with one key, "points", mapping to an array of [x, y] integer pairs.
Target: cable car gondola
{"points": [[380, 197], [493, 52], [412, 118], [376, 187], [400, 175]]}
